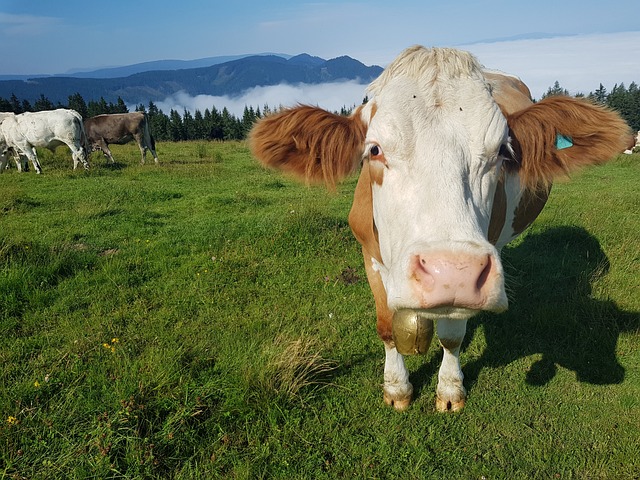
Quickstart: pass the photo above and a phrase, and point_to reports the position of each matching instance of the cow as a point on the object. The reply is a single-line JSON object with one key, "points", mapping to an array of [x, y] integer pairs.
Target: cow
{"points": [[120, 128], [4, 153], [24, 132], [455, 161], [634, 143]]}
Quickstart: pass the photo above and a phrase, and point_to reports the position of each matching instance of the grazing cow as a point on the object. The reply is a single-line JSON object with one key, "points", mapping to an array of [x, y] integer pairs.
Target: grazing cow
{"points": [[50, 128], [120, 128], [455, 161], [633, 144], [4, 152]]}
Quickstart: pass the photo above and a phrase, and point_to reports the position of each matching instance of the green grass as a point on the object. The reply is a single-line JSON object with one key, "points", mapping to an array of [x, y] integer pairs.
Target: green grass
{"points": [[206, 318]]}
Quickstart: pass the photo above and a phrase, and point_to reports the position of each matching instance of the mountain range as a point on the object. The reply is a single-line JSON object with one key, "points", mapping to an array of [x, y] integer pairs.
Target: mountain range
{"points": [[154, 81]]}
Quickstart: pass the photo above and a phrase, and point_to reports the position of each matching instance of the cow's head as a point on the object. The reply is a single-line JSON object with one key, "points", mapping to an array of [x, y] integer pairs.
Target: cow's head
{"points": [[433, 150], [438, 144]]}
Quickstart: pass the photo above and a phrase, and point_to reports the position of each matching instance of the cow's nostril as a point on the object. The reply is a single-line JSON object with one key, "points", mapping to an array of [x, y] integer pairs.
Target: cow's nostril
{"points": [[482, 278]]}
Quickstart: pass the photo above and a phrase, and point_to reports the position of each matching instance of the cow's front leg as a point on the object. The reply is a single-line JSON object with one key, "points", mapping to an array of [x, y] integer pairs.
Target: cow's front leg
{"points": [[30, 153], [106, 151], [450, 393], [83, 159], [397, 388]]}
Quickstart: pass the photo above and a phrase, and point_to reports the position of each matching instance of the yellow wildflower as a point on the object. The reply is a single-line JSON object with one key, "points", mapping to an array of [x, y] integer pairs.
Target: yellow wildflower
{"points": [[11, 420], [36, 384]]}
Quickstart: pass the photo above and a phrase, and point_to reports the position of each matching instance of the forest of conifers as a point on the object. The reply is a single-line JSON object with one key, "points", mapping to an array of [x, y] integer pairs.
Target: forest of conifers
{"points": [[214, 124]]}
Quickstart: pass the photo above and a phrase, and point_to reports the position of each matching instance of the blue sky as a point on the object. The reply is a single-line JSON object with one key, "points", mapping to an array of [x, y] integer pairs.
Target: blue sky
{"points": [[586, 42]]}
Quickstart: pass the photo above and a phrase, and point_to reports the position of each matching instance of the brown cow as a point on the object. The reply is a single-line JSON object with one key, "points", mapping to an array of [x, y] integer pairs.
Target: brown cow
{"points": [[120, 128], [455, 161]]}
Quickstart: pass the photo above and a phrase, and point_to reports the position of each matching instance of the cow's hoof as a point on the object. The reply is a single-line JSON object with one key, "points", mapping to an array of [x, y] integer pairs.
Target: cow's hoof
{"points": [[448, 405], [400, 404]]}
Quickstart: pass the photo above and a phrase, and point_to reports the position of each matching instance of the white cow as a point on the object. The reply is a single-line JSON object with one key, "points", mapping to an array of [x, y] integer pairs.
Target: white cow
{"points": [[50, 129], [4, 151], [630, 150]]}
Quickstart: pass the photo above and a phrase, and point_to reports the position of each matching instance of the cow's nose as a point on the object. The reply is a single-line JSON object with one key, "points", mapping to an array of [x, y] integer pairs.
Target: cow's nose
{"points": [[455, 279]]}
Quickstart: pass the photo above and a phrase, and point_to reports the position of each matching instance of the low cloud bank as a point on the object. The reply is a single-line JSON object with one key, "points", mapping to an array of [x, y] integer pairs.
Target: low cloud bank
{"points": [[580, 63], [330, 96]]}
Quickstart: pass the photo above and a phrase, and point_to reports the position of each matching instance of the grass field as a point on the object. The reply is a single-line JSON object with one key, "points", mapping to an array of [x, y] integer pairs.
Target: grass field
{"points": [[206, 318]]}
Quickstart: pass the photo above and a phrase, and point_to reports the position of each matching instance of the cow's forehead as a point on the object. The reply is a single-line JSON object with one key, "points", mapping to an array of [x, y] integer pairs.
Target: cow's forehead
{"points": [[405, 109]]}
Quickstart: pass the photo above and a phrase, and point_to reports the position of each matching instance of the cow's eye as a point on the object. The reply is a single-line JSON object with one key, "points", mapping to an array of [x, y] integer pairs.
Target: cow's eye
{"points": [[375, 153], [506, 152]]}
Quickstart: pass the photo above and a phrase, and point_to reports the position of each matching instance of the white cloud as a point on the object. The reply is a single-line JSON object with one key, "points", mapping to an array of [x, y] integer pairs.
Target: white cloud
{"points": [[28, 25], [330, 96]]}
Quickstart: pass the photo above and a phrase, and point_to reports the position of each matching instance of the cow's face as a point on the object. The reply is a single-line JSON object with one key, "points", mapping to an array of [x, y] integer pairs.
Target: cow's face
{"points": [[432, 148]]}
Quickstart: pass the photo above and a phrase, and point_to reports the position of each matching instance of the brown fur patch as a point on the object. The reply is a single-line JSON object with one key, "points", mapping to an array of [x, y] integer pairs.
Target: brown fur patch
{"points": [[361, 215], [509, 92], [309, 142], [374, 110], [376, 172], [529, 207], [597, 133], [384, 315], [498, 212]]}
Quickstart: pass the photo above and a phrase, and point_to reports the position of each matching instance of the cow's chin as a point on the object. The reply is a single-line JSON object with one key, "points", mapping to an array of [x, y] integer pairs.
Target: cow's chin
{"points": [[412, 329], [451, 313]]}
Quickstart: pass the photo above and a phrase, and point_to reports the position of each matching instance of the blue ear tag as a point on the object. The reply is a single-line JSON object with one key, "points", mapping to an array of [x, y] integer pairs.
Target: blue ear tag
{"points": [[563, 142]]}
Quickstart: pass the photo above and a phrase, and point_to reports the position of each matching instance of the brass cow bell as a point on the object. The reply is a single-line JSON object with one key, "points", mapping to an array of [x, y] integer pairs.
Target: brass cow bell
{"points": [[411, 332]]}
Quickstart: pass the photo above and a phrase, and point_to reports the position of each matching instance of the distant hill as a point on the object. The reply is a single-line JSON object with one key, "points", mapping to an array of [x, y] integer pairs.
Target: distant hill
{"points": [[225, 78], [125, 71]]}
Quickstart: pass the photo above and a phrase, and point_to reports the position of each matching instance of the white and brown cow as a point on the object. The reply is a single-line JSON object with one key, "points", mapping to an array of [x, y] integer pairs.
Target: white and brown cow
{"points": [[455, 161], [120, 128], [634, 144], [22, 133]]}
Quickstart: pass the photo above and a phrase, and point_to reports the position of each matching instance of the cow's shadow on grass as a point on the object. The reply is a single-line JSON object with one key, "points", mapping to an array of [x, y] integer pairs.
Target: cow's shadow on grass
{"points": [[551, 315], [107, 165]]}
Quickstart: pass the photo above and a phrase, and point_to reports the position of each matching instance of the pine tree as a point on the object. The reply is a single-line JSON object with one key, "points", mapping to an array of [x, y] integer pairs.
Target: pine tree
{"points": [[16, 107], [200, 130], [556, 90], [634, 101], [43, 103], [188, 124], [213, 124], [5, 105], [77, 103], [120, 107], [600, 95], [176, 126], [248, 119], [97, 108]]}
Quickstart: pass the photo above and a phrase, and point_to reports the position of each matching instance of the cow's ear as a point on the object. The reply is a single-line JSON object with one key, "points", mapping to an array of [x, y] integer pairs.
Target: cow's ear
{"points": [[313, 144], [560, 134]]}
